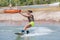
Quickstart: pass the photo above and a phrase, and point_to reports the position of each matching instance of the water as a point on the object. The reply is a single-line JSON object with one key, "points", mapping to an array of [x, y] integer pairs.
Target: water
{"points": [[42, 31], [26, 7]]}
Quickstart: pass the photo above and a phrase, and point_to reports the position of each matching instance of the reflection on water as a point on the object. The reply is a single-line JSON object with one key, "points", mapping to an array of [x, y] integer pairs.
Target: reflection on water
{"points": [[20, 38], [10, 23], [7, 30]]}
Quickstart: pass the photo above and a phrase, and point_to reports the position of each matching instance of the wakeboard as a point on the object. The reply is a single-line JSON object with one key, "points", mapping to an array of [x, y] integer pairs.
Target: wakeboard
{"points": [[19, 33]]}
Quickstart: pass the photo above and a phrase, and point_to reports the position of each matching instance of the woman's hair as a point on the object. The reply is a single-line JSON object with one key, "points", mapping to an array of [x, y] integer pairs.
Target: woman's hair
{"points": [[30, 11]]}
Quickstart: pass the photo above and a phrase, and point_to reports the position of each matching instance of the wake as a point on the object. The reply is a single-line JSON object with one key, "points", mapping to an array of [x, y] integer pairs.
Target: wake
{"points": [[37, 31]]}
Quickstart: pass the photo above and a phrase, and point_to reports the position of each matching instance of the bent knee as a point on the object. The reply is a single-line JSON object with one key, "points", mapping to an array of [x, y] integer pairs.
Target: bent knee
{"points": [[27, 26]]}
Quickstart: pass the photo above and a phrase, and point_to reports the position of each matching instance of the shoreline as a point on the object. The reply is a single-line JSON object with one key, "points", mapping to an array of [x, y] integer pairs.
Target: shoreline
{"points": [[51, 14], [55, 15], [38, 21]]}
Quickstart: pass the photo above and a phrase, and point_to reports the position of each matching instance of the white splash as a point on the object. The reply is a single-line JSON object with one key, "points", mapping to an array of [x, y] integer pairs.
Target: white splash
{"points": [[38, 31]]}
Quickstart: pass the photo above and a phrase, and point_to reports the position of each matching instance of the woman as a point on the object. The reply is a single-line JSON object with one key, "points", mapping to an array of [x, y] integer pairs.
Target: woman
{"points": [[30, 18]]}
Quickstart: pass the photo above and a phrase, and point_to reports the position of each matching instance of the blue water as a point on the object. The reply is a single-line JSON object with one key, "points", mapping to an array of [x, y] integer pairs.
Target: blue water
{"points": [[44, 31]]}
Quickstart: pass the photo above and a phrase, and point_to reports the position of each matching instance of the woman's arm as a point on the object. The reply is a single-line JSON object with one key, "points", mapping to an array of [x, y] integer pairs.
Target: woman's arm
{"points": [[25, 15]]}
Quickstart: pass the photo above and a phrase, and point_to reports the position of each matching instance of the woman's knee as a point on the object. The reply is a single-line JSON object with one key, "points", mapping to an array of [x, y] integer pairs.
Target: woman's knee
{"points": [[27, 26]]}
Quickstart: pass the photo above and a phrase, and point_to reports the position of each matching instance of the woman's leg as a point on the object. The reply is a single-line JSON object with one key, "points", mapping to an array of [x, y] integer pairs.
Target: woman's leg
{"points": [[27, 26]]}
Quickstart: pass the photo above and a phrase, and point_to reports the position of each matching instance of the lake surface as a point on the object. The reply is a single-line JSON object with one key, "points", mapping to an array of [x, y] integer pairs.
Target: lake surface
{"points": [[44, 31]]}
